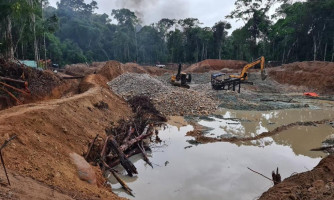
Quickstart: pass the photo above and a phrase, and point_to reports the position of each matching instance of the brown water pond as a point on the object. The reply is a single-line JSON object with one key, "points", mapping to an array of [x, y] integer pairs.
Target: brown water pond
{"points": [[186, 170]]}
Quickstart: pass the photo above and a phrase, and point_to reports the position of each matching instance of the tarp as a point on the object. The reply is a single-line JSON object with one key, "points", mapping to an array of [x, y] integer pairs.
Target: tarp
{"points": [[29, 63], [215, 75], [311, 94]]}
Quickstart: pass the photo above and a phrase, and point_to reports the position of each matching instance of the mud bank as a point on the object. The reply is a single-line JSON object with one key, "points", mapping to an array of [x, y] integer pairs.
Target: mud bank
{"points": [[47, 132], [315, 184]]}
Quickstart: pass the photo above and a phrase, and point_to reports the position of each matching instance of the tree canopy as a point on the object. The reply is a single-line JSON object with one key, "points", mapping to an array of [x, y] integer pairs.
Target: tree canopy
{"points": [[73, 32]]}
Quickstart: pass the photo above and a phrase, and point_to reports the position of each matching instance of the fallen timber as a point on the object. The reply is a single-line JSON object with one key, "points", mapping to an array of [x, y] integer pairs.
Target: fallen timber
{"points": [[126, 139], [5, 85]]}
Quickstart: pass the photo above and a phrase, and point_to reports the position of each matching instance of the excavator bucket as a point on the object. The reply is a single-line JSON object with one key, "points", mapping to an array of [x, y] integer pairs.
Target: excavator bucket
{"points": [[264, 75]]}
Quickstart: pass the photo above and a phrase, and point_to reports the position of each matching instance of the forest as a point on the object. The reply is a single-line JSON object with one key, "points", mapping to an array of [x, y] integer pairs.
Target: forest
{"points": [[74, 33]]}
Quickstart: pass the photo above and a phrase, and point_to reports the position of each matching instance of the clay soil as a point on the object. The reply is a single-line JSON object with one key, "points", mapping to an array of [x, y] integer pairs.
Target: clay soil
{"points": [[315, 184], [213, 65], [317, 76], [48, 131]]}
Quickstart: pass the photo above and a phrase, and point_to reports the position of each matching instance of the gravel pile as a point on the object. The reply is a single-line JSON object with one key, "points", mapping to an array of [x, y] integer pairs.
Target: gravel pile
{"points": [[129, 85], [167, 99], [185, 102]]}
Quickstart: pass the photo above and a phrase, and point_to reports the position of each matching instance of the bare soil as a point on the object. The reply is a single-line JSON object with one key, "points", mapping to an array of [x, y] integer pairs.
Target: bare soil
{"points": [[212, 64], [47, 132], [317, 76], [83, 69], [315, 184]]}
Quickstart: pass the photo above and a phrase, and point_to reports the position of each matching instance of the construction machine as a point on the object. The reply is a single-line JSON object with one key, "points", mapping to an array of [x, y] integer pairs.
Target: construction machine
{"points": [[219, 80], [181, 79], [244, 76]]}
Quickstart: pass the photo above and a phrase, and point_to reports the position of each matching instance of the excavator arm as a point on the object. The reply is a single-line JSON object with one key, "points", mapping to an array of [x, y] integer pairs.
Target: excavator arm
{"points": [[243, 75]]}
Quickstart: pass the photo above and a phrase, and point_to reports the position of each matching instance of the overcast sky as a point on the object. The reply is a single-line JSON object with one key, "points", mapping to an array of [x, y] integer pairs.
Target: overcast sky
{"points": [[150, 11]]}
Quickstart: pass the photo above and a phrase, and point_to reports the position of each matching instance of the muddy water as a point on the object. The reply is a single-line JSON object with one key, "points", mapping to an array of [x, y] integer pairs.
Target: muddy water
{"points": [[229, 123], [219, 170]]}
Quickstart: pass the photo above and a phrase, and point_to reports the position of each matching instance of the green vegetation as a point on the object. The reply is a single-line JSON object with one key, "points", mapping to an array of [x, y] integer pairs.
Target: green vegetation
{"points": [[73, 33]]}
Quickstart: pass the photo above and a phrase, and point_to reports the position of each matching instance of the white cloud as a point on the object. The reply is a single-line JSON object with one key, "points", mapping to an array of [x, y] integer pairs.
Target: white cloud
{"points": [[150, 11]]}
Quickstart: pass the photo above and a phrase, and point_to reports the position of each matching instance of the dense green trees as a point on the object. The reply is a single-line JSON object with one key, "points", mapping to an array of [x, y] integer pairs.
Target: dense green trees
{"points": [[73, 32]]}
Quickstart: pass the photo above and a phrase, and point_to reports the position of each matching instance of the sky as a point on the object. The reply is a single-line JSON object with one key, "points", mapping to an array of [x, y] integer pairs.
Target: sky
{"points": [[151, 11]]}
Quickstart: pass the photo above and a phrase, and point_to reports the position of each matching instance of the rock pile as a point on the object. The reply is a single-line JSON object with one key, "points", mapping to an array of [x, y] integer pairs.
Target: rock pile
{"points": [[129, 85], [168, 99], [182, 101]]}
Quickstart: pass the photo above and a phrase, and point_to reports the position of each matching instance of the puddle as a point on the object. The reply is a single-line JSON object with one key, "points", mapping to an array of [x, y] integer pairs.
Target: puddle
{"points": [[219, 170]]}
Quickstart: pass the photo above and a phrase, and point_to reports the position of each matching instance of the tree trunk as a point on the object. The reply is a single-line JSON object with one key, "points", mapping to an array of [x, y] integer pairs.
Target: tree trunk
{"points": [[136, 43], [325, 51], [45, 52], [33, 19], [219, 53], [9, 37], [287, 57], [202, 57], [20, 37], [197, 51], [314, 49], [22, 49], [332, 50]]}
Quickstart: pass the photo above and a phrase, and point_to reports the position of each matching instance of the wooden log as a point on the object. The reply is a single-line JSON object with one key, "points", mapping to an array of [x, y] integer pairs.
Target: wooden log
{"points": [[130, 132], [124, 185], [14, 88], [13, 96], [91, 146], [146, 133], [141, 148], [13, 80], [103, 152], [323, 148], [117, 161], [128, 166], [276, 177], [260, 174]]}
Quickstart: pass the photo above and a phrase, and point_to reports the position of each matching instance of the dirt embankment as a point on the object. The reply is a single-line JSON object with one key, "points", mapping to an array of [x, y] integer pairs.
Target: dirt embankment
{"points": [[47, 132], [42, 85], [212, 65], [315, 184], [83, 69], [317, 76]]}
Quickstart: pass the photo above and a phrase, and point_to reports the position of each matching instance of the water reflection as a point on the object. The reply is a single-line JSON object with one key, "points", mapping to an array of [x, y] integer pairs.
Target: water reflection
{"points": [[228, 123], [210, 171]]}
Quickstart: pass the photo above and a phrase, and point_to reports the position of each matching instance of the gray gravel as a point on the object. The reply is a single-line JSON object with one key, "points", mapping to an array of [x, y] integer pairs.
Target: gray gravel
{"points": [[168, 99], [201, 99], [129, 84]]}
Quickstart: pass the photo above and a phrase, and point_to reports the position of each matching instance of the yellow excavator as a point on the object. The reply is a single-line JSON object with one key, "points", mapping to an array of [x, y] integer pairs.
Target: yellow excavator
{"points": [[244, 76], [219, 80], [181, 79]]}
